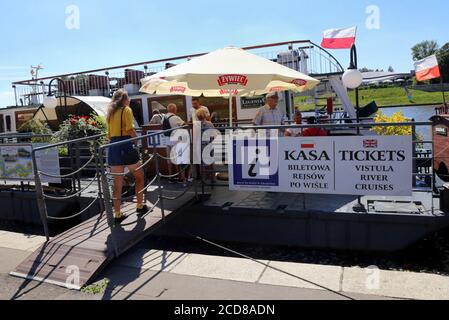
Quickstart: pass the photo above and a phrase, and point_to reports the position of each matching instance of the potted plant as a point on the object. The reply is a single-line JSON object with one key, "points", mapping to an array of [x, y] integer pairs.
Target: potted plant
{"points": [[77, 127], [36, 127]]}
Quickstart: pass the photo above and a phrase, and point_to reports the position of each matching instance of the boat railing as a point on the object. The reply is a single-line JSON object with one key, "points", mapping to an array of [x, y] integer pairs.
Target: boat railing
{"points": [[301, 55], [102, 181], [423, 172]]}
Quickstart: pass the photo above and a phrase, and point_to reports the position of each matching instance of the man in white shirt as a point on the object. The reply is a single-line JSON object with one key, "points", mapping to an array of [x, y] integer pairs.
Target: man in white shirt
{"points": [[174, 119], [197, 106], [269, 114]]}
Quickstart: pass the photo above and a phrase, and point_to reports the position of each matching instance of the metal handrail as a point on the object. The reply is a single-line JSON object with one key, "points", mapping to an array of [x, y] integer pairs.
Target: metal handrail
{"points": [[150, 135], [32, 81], [59, 144], [40, 194], [141, 191], [142, 217], [77, 214], [171, 176], [74, 195], [23, 136], [70, 174], [329, 126], [179, 196], [137, 169]]}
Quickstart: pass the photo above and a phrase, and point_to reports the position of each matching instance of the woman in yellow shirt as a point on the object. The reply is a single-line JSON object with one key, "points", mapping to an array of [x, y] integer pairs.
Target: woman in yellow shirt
{"points": [[120, 121]]}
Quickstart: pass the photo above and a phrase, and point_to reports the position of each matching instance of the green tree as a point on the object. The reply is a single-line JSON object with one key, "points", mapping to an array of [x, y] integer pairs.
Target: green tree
{"points": [[443, 61], [390, 69], [424, 49]]}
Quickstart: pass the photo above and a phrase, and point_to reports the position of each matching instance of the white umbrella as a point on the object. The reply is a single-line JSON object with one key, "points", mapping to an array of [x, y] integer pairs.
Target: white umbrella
{"points": [[227, 72]]}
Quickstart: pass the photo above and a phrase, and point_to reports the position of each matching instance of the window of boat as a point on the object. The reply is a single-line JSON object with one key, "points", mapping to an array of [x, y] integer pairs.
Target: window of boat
{"points": [[136, 106], [8, 123], [2, 125], [180, 102], [23, 117], [220, 106]]}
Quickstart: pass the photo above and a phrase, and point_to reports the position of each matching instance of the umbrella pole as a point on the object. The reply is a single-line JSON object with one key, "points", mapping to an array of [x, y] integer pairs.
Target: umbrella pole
{"points": [[230, 109]]}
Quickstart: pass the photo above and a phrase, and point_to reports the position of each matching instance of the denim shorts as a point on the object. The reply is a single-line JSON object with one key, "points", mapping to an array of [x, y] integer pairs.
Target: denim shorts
{"points": [[116, 153]]}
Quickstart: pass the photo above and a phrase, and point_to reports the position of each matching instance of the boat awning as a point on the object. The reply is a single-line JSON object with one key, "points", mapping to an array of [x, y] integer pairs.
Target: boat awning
{"points": [[75, 105], [98, 104]]}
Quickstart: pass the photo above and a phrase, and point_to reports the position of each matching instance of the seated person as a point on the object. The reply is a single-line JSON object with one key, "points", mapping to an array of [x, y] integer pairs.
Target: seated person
{"points": [[314, 132], [295, 132]]}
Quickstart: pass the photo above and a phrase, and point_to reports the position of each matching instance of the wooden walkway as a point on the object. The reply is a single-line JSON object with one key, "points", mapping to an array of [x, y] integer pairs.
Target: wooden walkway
{"points": [[88, 247]]}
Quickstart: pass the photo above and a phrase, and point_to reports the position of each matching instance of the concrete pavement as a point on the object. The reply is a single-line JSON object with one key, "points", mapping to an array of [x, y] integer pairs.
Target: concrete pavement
{"points": [[151, 274]]}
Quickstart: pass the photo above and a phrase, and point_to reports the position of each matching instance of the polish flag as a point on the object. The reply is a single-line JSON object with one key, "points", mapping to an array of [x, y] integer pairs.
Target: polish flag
{"points": [[308, 145], [427, 68], [339, 38]]}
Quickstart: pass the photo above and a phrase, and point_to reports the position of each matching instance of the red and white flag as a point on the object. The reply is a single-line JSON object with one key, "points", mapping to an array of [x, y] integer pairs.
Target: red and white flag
{"points": [[427, 68], [339, 38]]}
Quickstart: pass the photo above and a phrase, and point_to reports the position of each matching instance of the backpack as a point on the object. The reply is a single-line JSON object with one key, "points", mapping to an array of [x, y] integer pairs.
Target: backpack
{"points": [[166, 125]]}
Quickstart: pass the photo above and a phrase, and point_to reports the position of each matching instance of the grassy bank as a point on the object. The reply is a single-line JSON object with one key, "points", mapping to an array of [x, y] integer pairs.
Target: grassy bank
{"points": [[384, 97]]}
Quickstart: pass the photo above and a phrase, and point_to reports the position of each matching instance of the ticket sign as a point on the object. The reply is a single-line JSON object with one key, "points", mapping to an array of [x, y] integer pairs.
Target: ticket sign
{"points": [[324, 165]]}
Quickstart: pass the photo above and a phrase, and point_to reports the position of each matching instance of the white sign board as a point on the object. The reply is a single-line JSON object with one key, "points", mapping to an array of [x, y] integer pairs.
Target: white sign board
{"points": [[323, 165], [16, 163], [161, 140], [48, 162]]}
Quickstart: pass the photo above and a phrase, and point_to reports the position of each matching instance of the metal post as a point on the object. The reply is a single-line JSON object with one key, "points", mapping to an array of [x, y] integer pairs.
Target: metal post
{"points": [[433, 171], [108, 201], [43, 91], [359, 207], [414, 154], [15, 95], [78, 164], [442, 91], [108, 83], [98, 173], [158, 174], [40, 197], [230, 108], [201, 166]]}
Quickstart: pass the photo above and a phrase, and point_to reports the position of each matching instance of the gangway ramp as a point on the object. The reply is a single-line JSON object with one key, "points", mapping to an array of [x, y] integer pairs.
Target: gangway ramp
{"points": [[90, 246]]}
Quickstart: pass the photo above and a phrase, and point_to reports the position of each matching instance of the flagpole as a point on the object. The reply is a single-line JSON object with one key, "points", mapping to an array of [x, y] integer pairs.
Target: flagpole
{"points": [[442, 91]]}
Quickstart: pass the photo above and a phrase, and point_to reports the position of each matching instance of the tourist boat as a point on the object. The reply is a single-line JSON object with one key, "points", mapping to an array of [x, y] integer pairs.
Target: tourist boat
{"points": [[312, 221], [302, 55], [12, 118]]}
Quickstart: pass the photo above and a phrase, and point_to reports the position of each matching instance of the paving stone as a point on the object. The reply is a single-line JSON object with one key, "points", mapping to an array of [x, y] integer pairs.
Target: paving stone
{"points": [[406, 285], [220, 268], [20, 241], [152, 259], [327, 276]]}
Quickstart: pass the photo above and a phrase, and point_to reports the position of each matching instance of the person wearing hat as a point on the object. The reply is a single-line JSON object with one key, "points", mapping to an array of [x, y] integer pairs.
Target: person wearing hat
{"points": [[269, 114]]}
